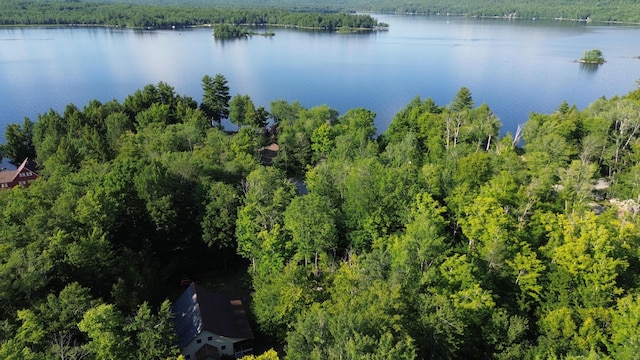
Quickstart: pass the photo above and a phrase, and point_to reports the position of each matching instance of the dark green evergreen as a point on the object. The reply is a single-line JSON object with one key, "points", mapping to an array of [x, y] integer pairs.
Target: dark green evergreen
{"points": [[215, 98]]}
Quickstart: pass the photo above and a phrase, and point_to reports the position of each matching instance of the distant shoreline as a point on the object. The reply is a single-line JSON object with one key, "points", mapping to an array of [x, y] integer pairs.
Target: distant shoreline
{"points": [[505, 17], [370, 13]]}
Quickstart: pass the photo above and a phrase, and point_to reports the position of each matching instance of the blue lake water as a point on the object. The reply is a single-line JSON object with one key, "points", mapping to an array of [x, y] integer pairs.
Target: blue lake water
{"points": [[517, 67]]}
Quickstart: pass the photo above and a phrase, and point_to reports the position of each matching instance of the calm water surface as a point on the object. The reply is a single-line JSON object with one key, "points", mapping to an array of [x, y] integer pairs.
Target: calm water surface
{"points": [[515, 67]]}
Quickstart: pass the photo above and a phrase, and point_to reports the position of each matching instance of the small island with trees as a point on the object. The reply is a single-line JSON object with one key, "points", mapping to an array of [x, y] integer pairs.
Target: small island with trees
{"points": [[592, 57], [230, 31]]}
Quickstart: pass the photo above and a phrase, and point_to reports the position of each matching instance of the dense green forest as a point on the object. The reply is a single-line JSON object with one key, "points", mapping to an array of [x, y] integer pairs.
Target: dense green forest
{"points": [[436, 239], [190, 12], [20, 12]]}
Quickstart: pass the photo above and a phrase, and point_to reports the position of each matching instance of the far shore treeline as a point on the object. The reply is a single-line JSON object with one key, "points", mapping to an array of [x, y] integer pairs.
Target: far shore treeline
{"points": [[168, 13], [438, 238]]}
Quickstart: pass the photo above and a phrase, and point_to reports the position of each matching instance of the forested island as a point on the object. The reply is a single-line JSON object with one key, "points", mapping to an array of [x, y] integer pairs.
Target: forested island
{"points": [[592, 57], [226, 31], [437, 238]]}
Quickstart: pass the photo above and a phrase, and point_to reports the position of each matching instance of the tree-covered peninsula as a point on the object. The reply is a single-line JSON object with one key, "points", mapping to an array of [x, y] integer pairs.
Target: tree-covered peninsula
{"points": [[438, 238], [79, 13]]}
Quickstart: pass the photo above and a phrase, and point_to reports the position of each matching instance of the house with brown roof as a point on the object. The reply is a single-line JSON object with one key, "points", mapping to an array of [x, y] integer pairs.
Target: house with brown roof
{"points": [[24, 175], [211, 325]]}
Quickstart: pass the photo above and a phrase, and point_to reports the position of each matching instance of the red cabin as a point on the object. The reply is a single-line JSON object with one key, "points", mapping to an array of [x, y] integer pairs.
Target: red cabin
{"points": [[23, 175]]}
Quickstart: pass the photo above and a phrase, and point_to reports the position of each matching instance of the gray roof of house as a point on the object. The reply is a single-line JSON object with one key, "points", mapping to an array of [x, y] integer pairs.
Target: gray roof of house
{"points": [[197, 310]]}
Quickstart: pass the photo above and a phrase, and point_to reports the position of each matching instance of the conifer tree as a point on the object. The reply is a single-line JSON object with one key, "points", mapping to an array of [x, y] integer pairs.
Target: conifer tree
{"points": [[215, 98]]}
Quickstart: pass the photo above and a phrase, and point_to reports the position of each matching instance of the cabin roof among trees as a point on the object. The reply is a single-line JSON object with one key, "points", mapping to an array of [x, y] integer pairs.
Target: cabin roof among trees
{"points": [[8, 176], [198, 310]]}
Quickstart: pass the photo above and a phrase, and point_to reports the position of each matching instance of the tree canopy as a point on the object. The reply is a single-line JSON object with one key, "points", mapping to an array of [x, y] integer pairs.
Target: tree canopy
{"points": [[439, 238]]}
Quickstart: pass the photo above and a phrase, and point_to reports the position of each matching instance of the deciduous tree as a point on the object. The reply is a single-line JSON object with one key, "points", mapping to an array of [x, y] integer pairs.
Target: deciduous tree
{"points": [[104, 324], [311, 222]]}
